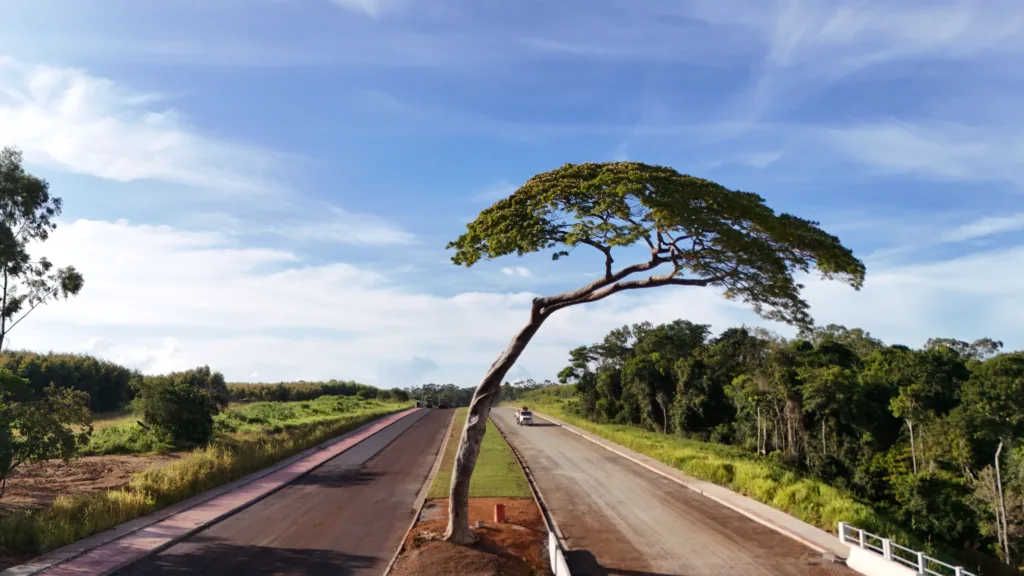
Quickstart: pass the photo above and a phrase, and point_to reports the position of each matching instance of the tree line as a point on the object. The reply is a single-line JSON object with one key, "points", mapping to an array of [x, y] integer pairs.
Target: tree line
{"points": [[931, 436], [300, 391]]}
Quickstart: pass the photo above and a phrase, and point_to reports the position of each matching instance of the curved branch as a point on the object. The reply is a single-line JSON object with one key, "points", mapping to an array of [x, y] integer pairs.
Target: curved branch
{"points": [[649, 282], [541, 303], [607, 251]]}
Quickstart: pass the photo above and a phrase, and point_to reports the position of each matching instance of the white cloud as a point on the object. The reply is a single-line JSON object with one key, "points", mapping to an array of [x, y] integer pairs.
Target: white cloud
{"points": [[985, 227], [516, 271], [161, 299], [840, 37], [348, 228], [371, 8], [495, 192], [943, 151], [67, 118]]}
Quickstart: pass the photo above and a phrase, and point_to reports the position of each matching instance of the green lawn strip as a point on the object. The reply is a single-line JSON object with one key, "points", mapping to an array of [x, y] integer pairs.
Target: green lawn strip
{"points": [[497, 473], [71, 518]]}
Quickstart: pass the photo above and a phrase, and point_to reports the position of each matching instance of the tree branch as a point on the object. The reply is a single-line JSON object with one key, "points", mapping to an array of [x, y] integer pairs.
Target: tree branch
{"points": [[649, 282], [34, 306], [608, 260], [545, 302]]}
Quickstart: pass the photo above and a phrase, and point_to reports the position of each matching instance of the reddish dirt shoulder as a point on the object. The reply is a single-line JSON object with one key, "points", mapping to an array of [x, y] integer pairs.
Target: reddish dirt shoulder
{"points": [[37, 485], [516, 547]]}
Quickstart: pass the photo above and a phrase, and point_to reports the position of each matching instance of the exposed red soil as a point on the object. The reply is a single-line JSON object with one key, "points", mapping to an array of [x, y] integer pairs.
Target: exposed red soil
{"points": [[516, 547], [37, 485]]}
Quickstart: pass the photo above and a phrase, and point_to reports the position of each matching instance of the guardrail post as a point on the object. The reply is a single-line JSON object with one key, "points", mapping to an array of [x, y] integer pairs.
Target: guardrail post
{"points": [[861, 538], [921, 560], [958, 571], [887, 548], [842, 531]]}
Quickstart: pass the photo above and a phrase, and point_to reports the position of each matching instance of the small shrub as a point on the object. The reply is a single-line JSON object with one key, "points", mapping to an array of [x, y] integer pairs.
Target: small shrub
{"points": [[178, 407]]}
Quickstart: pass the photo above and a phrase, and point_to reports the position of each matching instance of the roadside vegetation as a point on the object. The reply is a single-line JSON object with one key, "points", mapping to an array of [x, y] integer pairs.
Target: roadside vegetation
{"points": [[919, 445], [497, 473], [263, 437], [190, 413]]}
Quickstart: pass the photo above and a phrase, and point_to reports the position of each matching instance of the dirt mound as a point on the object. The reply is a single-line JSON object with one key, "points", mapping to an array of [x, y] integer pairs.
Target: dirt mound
{"points": [[436, 558], [515, 547]]}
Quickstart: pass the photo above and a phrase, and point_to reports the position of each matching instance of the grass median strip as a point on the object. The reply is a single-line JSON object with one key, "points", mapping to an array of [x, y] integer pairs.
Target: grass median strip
{"points": [[497, 473]]}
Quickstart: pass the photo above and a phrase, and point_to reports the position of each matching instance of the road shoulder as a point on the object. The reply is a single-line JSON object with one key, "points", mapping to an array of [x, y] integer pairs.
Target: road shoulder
{"points": [[139, 538], [800, 531]]}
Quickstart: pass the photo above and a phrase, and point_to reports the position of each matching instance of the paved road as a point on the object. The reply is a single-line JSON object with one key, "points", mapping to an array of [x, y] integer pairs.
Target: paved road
{"points": [[345, 518], [620, 518]]}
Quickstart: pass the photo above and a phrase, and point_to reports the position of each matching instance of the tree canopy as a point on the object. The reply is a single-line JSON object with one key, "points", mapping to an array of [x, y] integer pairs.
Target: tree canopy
{"points": [[708, 235], [27, 214], [701, 233]]}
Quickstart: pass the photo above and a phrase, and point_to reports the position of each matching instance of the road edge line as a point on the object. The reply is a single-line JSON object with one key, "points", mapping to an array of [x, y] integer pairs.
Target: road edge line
{"points": [[269, 470], [421, 498], [751, 515], [538, 496]]}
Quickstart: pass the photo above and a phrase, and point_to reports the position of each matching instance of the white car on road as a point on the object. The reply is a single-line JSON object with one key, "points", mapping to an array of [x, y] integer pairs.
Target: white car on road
{"points": [[524, 416]]}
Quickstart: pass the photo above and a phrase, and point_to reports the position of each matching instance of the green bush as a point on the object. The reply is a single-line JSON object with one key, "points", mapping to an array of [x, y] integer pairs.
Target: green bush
{"points": [[125, 439], [179, 407]]}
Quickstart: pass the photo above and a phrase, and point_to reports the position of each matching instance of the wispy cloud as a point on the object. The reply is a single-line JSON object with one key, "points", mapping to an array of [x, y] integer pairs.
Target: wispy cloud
{"points": [[371, 8], [517, 271], [346, 227], [494, 192], [934, 150], [985, 227], [69, 119]]}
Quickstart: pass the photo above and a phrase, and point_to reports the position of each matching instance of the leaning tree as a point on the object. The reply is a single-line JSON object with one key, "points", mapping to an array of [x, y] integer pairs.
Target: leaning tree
{"points": [[698, 232]]}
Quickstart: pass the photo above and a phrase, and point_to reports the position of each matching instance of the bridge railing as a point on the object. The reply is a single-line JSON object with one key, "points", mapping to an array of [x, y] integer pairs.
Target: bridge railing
{"points": [[893, 552]]}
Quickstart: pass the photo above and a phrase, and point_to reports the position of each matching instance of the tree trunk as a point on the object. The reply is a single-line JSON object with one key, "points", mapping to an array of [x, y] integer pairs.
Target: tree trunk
{"points": [[458, 531], [664, 415], [790, 428], [759, 430], [1002, 506], [823, 449], [913, 451], [3, 317]]}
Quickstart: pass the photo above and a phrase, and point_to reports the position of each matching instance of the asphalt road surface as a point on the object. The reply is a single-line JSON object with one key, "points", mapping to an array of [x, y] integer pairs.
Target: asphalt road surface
{"points": [[620, 518], [346, 517]]}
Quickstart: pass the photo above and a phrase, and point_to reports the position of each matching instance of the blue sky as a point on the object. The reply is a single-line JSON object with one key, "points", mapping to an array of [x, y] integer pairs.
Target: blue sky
{"points": [[267, 186]]}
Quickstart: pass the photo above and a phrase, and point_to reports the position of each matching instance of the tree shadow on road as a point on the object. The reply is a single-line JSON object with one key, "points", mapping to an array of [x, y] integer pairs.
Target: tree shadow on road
{"points": [[583, 563], [212, 558], [337, 479]]}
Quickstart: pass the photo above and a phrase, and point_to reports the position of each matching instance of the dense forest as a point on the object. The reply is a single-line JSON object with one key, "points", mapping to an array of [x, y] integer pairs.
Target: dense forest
{"points": [[930, 436]]}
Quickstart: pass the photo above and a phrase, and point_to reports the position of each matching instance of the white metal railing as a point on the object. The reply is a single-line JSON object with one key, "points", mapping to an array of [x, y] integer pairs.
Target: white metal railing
{"points": [[893, 552]]}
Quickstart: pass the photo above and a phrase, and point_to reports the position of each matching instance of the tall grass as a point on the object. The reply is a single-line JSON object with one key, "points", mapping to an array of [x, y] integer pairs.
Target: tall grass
{"points": [[123, 435], [72, 518]]}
